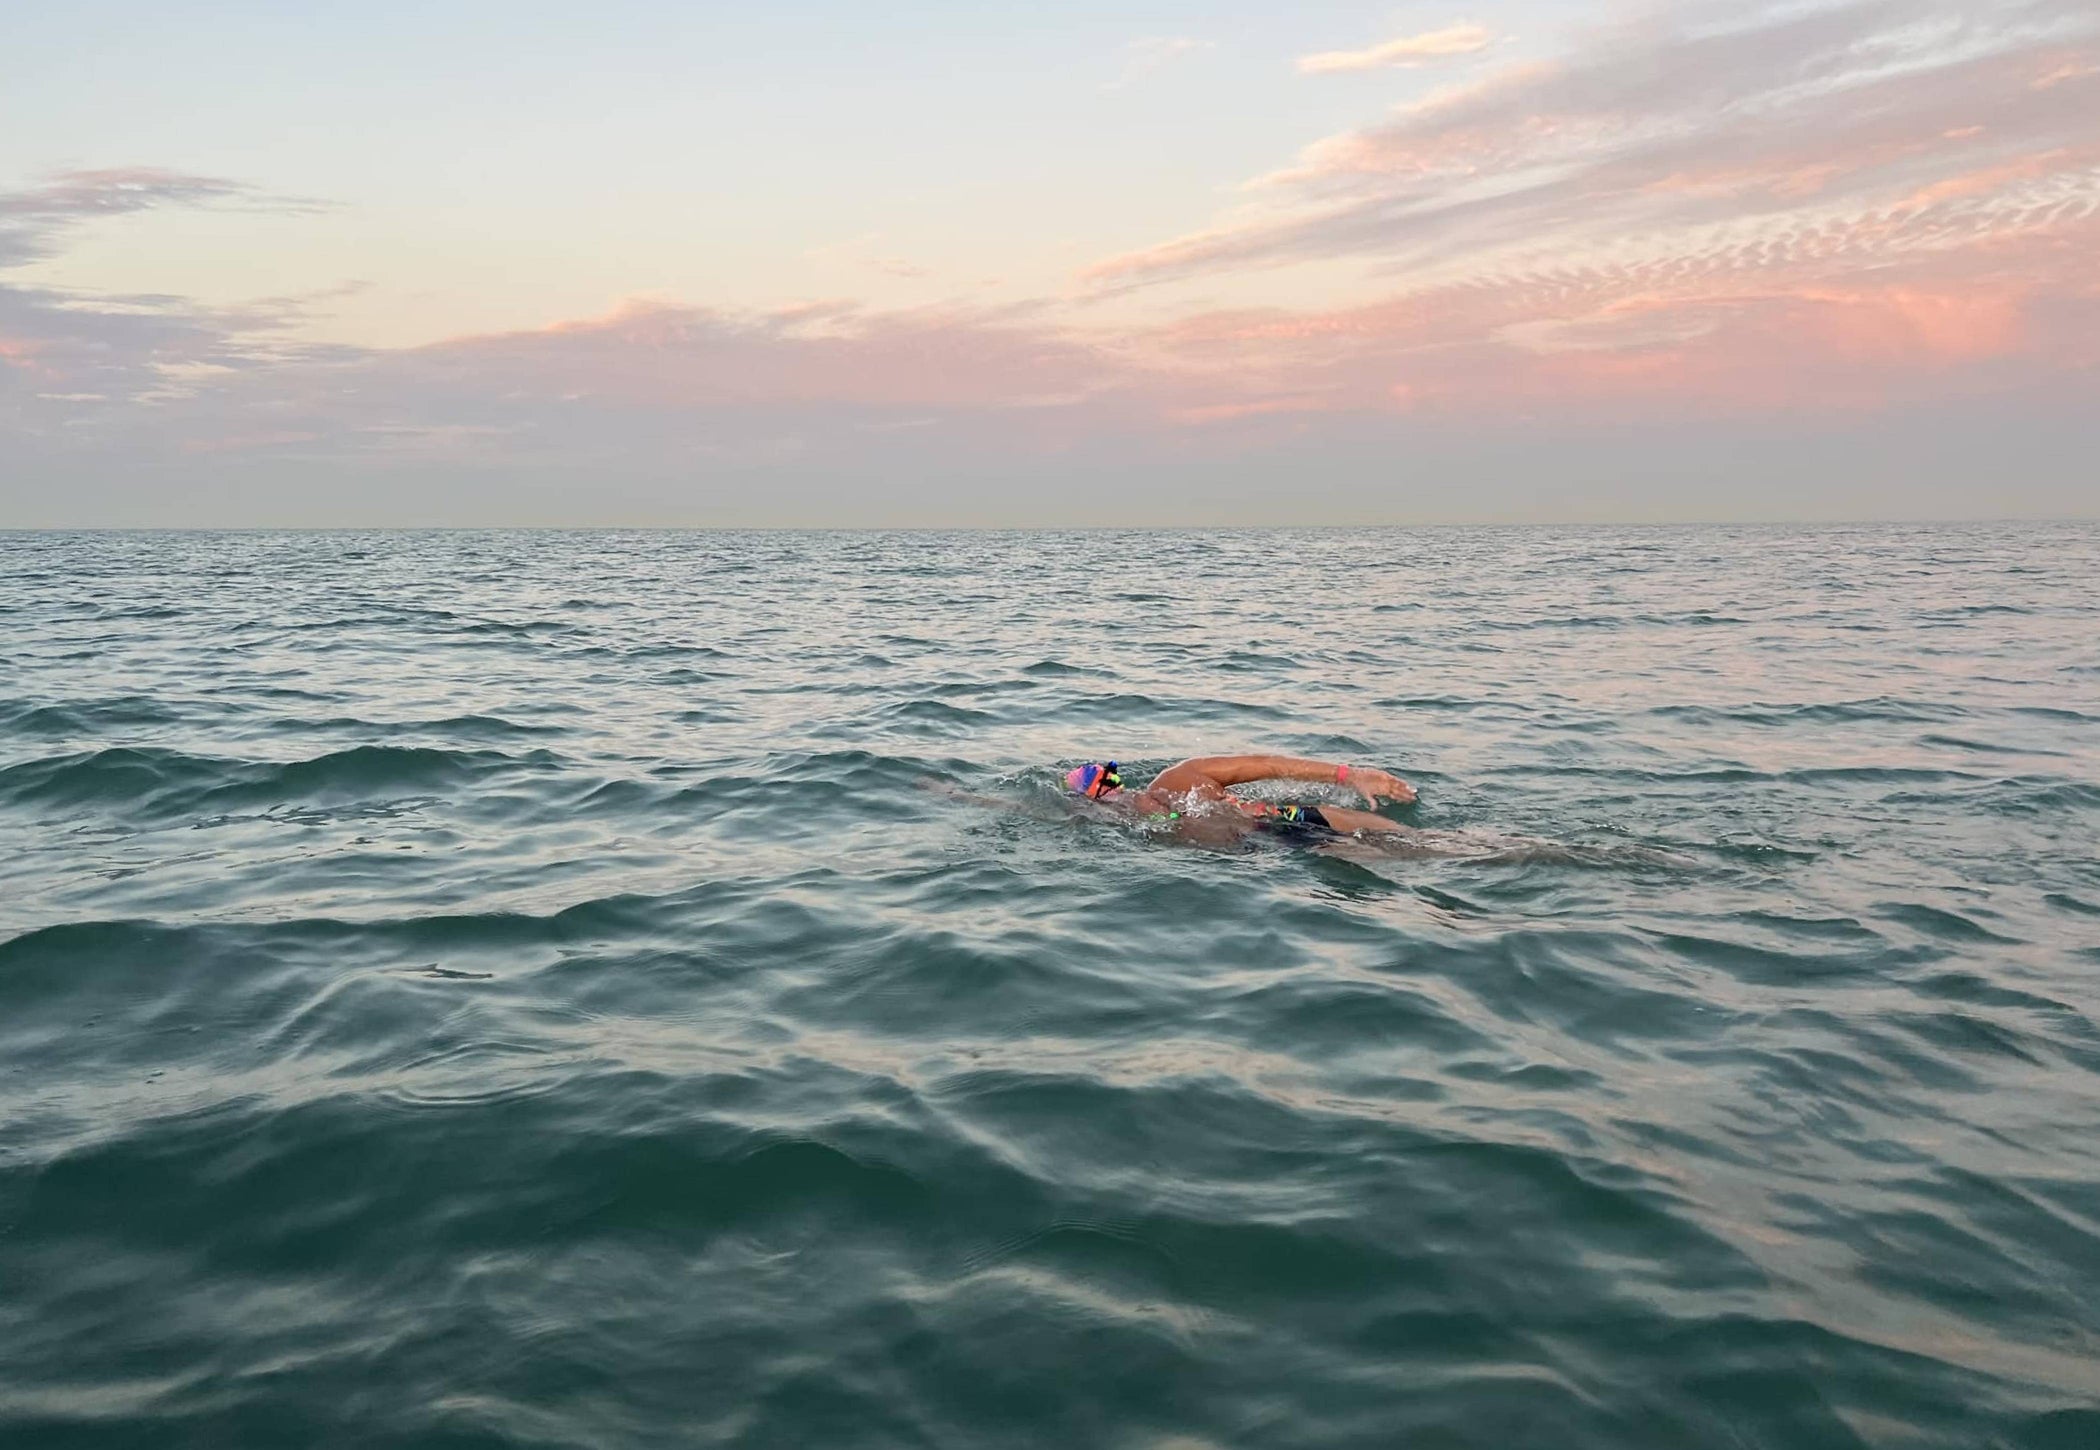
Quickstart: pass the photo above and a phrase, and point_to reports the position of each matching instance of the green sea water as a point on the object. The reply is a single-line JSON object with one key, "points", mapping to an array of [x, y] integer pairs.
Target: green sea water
{"points": [[647, 989]]}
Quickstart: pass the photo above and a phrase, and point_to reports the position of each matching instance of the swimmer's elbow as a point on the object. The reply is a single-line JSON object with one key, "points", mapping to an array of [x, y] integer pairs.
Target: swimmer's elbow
{"points": [[1187, 776]]}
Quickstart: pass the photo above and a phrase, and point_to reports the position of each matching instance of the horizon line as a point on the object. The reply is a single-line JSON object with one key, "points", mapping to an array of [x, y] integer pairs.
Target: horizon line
{"points": [[1863, 521]]}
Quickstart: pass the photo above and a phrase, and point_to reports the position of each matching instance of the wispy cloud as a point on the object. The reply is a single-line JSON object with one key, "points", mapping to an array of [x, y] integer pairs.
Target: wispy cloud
{"points": [[112, 192], [80, 368], [1140, 58], [1650, 139], [651, 381], [33, 219], [1794, 209], [1408, 50]]}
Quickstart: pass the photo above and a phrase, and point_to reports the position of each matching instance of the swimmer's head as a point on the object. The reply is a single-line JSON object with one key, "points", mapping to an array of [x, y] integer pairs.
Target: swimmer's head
{"points": [[1094, 780]]}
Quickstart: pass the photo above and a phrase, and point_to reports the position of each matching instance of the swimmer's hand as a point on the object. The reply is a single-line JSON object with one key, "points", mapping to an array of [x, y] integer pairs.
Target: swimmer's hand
{"points": [[1375, 785]]}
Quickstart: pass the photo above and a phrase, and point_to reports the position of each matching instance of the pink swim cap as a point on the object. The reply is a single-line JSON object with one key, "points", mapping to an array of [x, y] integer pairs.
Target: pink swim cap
{"points": [[1093, 779]]}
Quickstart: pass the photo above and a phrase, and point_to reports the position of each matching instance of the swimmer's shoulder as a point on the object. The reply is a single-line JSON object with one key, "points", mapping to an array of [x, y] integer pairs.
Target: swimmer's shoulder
{"points": [[1155, 805]]}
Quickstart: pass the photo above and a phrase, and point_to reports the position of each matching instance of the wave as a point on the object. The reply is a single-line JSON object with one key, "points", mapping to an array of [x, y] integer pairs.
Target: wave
{"points": [[1743, 774], [1127, 707], [655, 651], [152, 781], [1824, 712], [75, 718], [2039, 796], [469, 727]]}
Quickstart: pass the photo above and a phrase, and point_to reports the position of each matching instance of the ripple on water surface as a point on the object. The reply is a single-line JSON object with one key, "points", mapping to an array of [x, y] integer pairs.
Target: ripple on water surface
{"points": [[646, 989]]}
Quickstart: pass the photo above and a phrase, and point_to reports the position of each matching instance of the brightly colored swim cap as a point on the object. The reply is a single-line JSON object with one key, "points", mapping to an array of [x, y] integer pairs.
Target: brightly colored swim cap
{"points": [[1093, 779]]}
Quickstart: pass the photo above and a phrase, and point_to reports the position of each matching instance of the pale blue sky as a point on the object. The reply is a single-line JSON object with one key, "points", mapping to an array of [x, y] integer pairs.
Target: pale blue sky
{"points": [[700, 151]]}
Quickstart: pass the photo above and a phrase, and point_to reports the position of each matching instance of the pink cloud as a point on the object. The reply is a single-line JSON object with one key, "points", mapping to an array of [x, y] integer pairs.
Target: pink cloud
{"points": [[667, 355], [2076, 68], [1408, 50], [19, 353], [1657, 132], [1804, 211]]}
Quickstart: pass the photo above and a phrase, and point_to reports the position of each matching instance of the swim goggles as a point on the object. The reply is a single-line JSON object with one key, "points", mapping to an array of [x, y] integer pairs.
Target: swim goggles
{"points": [[1094, 780]]}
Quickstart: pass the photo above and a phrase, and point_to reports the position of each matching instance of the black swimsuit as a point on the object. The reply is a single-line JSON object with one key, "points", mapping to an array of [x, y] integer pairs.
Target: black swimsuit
{"points": [[1297, 823]]}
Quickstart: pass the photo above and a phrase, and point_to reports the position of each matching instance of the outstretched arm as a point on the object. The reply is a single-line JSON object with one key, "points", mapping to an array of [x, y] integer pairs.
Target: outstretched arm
{"points": [[1223, 771]]}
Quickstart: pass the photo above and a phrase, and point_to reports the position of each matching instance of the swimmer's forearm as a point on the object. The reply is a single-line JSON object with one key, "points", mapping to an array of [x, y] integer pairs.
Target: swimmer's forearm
{"points": [[1225, 771], [1243, 769]]}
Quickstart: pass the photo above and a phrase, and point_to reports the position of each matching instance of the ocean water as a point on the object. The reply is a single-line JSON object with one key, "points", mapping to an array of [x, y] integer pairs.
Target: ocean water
{"points": [[645, 989]]}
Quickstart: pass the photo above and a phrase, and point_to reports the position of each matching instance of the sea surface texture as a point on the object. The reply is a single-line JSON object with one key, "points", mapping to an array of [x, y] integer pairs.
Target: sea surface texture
{"points": [[648, 989]]}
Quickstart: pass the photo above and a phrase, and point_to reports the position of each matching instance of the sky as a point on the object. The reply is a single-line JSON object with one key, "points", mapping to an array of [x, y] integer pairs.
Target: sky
{"points": [[829, 264]]}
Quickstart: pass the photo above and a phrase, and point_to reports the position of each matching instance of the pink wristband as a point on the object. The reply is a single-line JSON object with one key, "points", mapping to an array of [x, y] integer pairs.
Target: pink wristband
{"points": [[1341, 775]]}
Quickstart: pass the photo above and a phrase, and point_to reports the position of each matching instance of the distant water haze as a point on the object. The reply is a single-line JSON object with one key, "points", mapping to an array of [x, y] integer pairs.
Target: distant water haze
{"points": [[831, 265]]}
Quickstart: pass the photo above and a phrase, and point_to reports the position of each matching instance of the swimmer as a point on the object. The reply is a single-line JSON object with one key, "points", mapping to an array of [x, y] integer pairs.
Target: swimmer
{"points": [[1200, 789]]}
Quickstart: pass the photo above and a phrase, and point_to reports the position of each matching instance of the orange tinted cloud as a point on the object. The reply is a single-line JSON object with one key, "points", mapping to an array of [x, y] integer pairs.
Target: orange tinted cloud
{"points": [[1799, 209], [1791, 120], [1408, 50]]}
